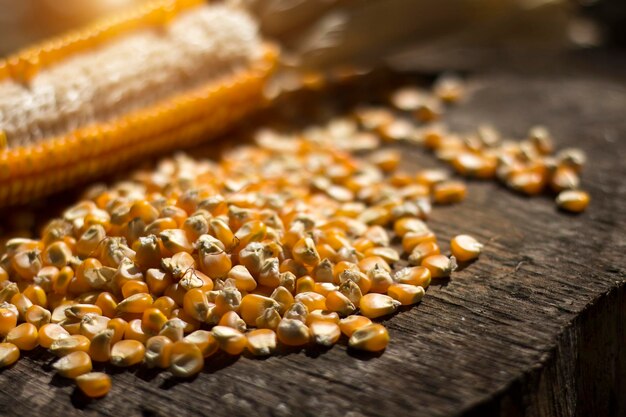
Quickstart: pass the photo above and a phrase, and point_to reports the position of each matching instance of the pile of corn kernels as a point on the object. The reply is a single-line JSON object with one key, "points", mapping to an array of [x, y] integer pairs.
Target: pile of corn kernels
{"points": [[284, 242]]}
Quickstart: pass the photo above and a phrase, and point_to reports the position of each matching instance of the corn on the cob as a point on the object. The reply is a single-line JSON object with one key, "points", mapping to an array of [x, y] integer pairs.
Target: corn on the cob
{"points": [[163, 76]]}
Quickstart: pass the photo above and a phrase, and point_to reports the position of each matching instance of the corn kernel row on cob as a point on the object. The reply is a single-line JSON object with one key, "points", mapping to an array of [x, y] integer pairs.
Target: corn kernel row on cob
{"points": [[151, 80]]}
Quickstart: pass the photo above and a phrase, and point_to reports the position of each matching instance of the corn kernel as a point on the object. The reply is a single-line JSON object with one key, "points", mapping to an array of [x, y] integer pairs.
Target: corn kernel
{"points": [[372, 337], [73, 364], [127, 353], [9, 354], [94, 384]]}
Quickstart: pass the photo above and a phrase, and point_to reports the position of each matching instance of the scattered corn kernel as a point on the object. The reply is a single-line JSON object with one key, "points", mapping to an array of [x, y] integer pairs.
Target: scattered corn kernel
{"points": [[573, 200], [377, 305], [186, 359], [9, 354], [94, 384], [465, 248], [24, 336], [261, 342]]}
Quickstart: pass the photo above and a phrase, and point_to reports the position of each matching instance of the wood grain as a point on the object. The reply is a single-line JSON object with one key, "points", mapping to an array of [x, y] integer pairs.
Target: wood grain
{"points": [[534, 328]]}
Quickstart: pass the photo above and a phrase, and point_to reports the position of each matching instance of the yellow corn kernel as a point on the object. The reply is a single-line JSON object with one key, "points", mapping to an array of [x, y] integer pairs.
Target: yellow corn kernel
{"points": [[214, 262], [323, 288], [175, 240], [73, 364], [196, 305], [409, 225], [9, 354], [352, 323], [413, 275], [73, 343], [252, 307], [147, 252], [380, 278], [153, 319], [27, 263], [94, 384], [136, 303], [325, 333], [386, 159], [191, 324], [127, 353], [118, 325], [406, 294], [574, 201], [107, 303], [423, 251], [8, 318], [305, 284], [173, 329], [449, 192], [229, 340], [376, 305], [363, 281], [312, 300], [471, 164], [78, 311], [244, 281], [92, 324], [186, 359], [261, 342], [411, 239], [564, 178], [36, 295], [135, 331], [22, 303], [71, 325], [165, 304], [37, 315], [134, 287], [143, 210], [465, 248], [339, 303], [283, 297], [228, 299], [56, 254], [50, 332], [58, 314], [305, 252], [269, 319], [89, 241], [61, 284], [8, 292], [158, 352], [179, 264], [372, 337], [222, 232], [322, 315], [440, 266], [160, 225], [369, 262], [204, 340], [24, 336], [100, 346], [232, 319], [196, 226], [293, 332]]}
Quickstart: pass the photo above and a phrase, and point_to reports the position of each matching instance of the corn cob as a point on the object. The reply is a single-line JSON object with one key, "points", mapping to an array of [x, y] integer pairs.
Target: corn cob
{"points": [[162, 76]]}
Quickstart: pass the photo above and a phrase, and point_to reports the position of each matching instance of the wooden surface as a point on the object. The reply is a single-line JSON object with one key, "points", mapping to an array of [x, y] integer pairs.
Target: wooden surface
{"points": [[534, 328]]}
